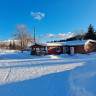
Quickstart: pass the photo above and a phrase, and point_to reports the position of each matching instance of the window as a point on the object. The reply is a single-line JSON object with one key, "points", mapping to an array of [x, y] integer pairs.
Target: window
{"points": [[93, 48], [58, 49], [87, 47], [42, 49], [67, 49], [37, 49]]}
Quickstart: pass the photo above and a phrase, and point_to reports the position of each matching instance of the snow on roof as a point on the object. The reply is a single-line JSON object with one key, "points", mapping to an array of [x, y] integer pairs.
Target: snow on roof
{"points": [[68, 43], [50, 44], [77, 42], [90, 41]]}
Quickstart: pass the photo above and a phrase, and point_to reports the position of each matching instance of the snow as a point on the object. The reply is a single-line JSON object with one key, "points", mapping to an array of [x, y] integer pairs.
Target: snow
{"points": [[7, 42], [48, 44], [53, 75], [82, 79], [78, 42]]}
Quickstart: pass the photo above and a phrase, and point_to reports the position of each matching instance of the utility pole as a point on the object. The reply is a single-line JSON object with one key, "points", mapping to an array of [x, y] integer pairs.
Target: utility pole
{"points": [[34, 40], [34, 35]]}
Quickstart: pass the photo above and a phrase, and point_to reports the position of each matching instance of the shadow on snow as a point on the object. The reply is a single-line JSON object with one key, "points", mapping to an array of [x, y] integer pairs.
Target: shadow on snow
{"points": [[49, 85]]}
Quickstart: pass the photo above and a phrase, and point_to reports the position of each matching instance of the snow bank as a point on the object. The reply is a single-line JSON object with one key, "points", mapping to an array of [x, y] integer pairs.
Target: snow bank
{"points": [[82, 80]]}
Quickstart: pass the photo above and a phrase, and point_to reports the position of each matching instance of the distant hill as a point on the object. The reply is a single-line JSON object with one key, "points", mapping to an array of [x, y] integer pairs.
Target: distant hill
{"points": [[9, 44], [8, 41]]}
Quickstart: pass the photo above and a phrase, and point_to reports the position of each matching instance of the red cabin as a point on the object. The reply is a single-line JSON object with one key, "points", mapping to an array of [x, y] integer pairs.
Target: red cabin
{"points": [[69, 47]]}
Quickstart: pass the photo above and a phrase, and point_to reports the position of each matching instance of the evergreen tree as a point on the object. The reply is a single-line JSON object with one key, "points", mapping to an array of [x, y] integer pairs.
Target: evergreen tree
{"points": [[13, 46], [10, 45], [90, 34]]}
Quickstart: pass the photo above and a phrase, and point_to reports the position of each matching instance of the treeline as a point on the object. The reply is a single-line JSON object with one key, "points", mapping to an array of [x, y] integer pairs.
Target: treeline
{"points": [[90, 34], [10, 44], [14, 46], [3, 45]]}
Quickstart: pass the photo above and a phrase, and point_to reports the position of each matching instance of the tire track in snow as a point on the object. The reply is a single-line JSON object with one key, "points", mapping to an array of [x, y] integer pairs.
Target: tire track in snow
{"points": [[6, 79]]}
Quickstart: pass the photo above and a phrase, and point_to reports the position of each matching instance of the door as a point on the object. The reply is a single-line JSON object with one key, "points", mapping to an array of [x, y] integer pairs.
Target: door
{"points": [[72, 50], [64, 50]]}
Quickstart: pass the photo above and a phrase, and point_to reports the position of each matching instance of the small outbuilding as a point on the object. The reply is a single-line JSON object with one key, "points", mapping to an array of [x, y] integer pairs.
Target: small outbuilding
{"points": [[69, 47]]}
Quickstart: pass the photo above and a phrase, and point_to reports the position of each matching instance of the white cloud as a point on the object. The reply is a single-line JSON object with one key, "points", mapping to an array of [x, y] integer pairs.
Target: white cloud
{"points": [[37, 15], [61, 36], [47, 36]]}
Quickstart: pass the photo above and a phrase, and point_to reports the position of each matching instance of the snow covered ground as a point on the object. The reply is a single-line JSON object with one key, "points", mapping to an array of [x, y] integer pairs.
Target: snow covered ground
{"points": [[52, 75]]}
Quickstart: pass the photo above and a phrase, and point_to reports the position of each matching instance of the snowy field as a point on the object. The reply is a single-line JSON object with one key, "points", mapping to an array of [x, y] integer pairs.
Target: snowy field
{"points": [[54, 75]]}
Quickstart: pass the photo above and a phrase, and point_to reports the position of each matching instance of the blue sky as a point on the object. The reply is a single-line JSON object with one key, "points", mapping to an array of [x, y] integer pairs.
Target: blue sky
{"points": [[56, 17]]}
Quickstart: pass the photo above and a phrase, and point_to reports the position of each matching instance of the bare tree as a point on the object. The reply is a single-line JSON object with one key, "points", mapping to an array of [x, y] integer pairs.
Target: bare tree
{"points": [[22, 34], [3, 45], [79, 32]]}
